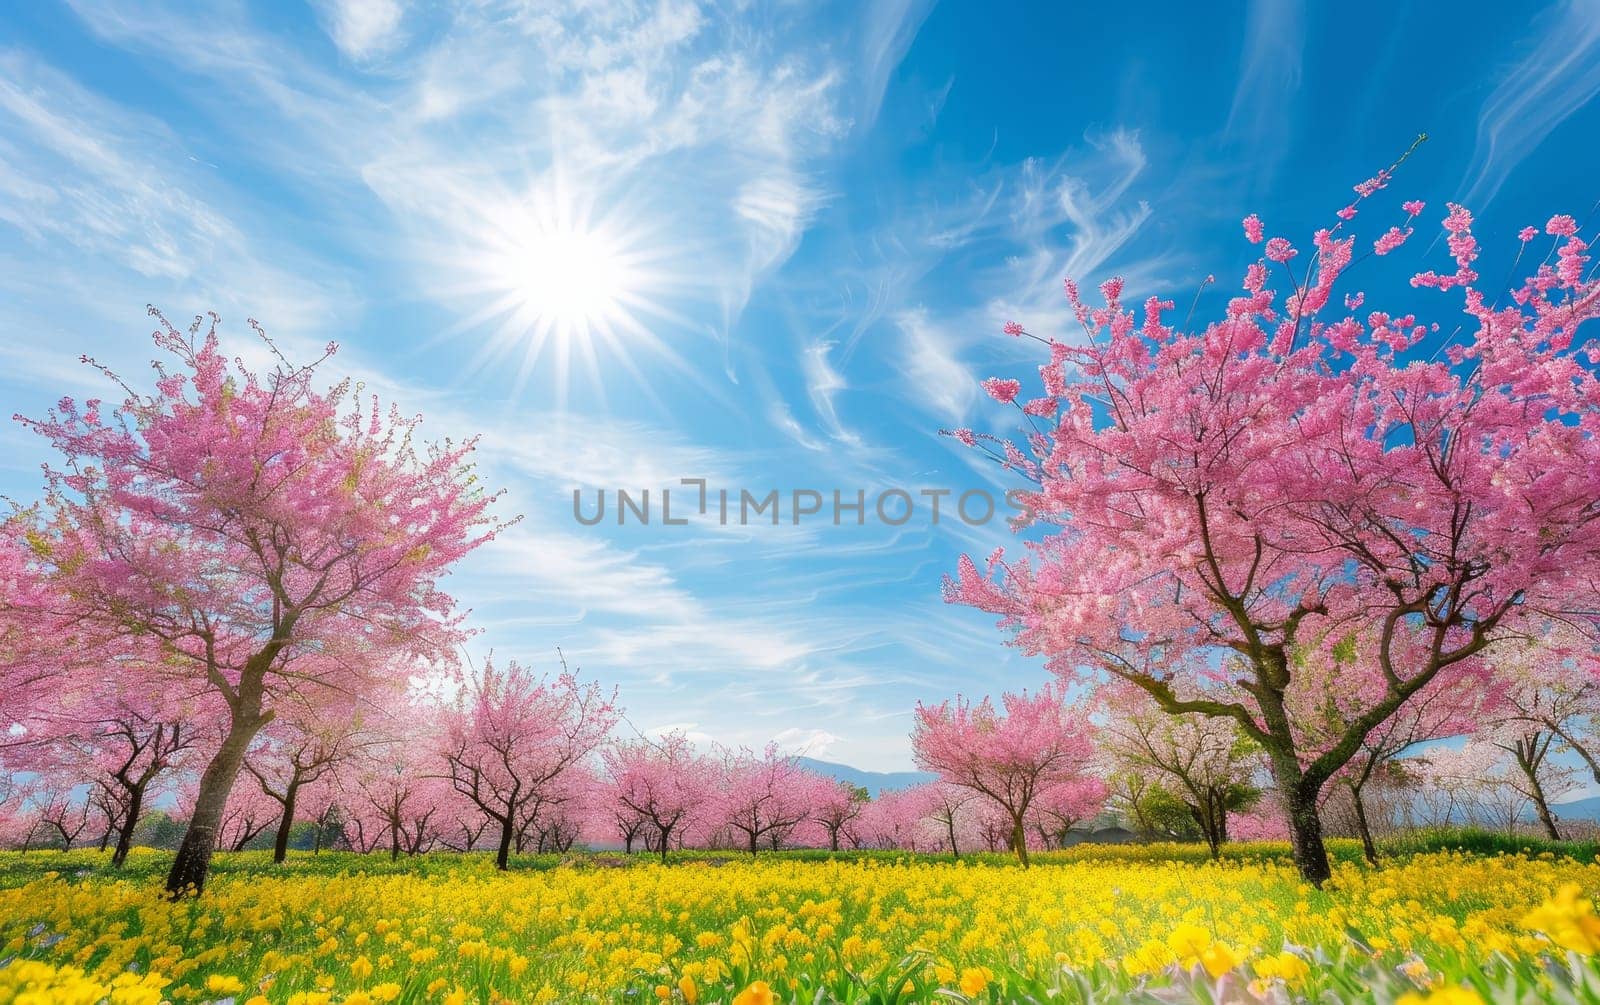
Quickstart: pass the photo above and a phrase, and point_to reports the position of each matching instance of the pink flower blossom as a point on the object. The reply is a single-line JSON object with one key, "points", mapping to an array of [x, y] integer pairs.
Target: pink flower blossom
{"points": [[1252, 228], [1280, 250], [1414, 207], [1561, 225], [1527, 234], [1041, 406], [1001, 390], [965, 436], [1012, 328], [1348, 213], [1390, 241]]}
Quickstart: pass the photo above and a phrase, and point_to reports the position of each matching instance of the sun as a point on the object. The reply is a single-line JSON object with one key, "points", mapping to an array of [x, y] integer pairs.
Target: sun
{"points": [[566, 277], [562, 285]]}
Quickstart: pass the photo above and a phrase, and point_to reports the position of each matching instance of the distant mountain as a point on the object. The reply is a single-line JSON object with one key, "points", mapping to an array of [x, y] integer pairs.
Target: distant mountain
{"points": [[872, 781], [1578, 809]]}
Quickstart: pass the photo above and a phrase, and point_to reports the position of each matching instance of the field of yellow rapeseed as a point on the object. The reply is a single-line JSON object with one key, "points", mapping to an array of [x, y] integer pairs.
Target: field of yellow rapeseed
{"points": [[1442, 926]]}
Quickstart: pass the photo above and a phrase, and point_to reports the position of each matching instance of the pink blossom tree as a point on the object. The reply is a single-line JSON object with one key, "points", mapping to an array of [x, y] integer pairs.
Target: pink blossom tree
{"points": [[1552, 685], [397, 794], [949, 807], [298, 751], [109, 724], [763, 797], [511, 742], [276, 544], [897, 819], [1335, 684], [1207, 762], [663, 782], [1060, 808], [63, 809], [1295, 470], [835, 805], [1009, 757]]}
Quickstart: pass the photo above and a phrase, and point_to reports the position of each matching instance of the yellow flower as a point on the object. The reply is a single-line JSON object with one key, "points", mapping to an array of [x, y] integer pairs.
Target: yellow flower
{"points": [[663, 992], [1219, 958], [1188, 942], [360, 968], [1568, 920], [456, 997], [1285, 966], [385, 992], [974, 980], [758, 993], [221, 983], [691, 994]]}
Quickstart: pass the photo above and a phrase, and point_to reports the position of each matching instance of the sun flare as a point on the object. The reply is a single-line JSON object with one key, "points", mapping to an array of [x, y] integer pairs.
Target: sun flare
{"points": [[563, 284], [572, 279]]}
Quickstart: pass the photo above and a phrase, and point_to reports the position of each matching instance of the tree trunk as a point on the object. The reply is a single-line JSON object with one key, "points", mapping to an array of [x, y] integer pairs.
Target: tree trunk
{"points": [[753, 839], [129, 821], [1530, 753], [1368, 846], [666, 832], [200, 838], [280, 843], [1546, 818], [1299, 795], [1305, 834], [833, 839], [1019, 840], [394, 844], [950, 828], [502, 857]]}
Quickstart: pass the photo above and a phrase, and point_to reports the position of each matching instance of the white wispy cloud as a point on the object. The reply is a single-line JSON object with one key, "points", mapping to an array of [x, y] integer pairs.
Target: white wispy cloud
{"points": [[1259, 117], [362, 28], [1558, 74], [944, 385]]}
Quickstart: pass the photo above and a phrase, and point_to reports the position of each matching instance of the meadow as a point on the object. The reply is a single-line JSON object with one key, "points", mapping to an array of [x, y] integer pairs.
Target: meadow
{"points": [[1492, 921]]}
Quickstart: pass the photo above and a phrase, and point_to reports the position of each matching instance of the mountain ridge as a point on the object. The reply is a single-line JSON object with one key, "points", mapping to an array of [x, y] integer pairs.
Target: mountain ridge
{"points": [[873, 781]]}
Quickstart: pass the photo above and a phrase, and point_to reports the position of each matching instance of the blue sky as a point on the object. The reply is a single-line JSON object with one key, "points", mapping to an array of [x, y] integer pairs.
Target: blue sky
{"points": [[766, 245]]}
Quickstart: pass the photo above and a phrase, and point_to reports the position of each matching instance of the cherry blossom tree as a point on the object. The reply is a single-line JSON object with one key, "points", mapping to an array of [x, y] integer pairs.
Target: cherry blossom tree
{"points": [[117, 732], [835, 805], [763, 796], [663, 782], [1061, 807], [1010, 757], [1530, 747], [399, 795], [1207, 762], [1298, 469], [277, 541], [1552, 684], [509, 744], [298, 751], [62, 807], [949, 808], [897, 819]]}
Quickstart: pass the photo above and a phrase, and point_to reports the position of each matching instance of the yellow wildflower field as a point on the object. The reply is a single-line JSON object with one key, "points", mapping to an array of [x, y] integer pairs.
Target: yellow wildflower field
{"points": [[1139, 925]]}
